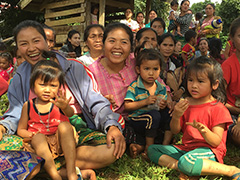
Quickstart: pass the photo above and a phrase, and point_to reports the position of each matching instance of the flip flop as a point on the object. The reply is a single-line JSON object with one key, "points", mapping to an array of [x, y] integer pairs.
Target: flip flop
{"points": [[79, 174], [236, 176]]}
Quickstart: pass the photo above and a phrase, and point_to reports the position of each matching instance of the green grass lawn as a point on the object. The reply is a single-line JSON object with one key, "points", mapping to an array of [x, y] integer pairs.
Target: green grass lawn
{"points": [[127, 168]]}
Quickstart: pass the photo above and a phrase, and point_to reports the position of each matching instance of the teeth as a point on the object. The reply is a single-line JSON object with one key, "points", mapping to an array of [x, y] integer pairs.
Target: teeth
{"points": [[31, 55], [118, 54]]}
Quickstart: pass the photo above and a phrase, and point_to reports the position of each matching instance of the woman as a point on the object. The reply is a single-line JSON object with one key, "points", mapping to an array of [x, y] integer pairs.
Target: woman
{"points": [[147, 34], [72, 48], [183, 20], [203, 47], [158, 25], [172, 76], [140, 18], [151, 15], [86, 100], [129, 21], [93, 35], [205, 28]]}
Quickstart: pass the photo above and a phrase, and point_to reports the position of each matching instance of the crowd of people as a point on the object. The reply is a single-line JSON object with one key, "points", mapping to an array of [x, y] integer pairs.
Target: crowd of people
{"points": [[137, 86]]}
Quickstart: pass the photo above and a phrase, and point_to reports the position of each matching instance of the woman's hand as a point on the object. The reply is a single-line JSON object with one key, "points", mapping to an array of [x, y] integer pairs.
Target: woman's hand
{"points": [[120, 145]]}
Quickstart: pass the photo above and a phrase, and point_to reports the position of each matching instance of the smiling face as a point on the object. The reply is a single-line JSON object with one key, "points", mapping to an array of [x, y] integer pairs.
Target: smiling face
{"points": [[46, 91], [117, 46], [185, 6], [75, 40], [4, 64], [140, 18], [157, 26], [149, 71], [94, 40], [152, 15], [31, 44], [167, 47]]}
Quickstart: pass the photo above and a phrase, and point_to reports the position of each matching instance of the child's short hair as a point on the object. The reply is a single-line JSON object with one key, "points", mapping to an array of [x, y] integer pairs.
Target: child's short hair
{"points": [[148, 54], [189, 35], [173, 3], [198, 15], [2, 47], [7, 56], [213, 70], [47, 70]]}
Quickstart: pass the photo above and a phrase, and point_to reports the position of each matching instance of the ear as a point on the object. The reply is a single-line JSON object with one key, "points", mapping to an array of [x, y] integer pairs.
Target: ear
{"points": [[215, 85], [137, 68]]}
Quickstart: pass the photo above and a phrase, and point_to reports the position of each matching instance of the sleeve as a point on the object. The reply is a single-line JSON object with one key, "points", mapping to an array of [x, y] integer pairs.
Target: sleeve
{"points": [[16, 100], [3, 85], [95, 107], [186, 19], [185, 49], [130, 95]]}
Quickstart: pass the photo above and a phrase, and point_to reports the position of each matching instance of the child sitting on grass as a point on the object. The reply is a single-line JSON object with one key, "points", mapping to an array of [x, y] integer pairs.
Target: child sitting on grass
{"points": [[188, 51], [203, 120], [146, 100]]}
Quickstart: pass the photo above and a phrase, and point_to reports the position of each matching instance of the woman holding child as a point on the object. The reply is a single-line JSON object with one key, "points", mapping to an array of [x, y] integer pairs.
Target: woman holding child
{"points": [[86, 100]]}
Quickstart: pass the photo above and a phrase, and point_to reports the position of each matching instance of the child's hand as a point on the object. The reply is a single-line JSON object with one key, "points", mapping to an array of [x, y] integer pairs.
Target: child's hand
{"points": [[111, 99], [180, 107], [163, 104], [61, 101], [151, 99], [199, 126]]}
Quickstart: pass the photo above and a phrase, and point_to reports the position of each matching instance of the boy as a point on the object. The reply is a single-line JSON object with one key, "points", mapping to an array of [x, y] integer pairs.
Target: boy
{"points": [[188, 51], [146, 100]]}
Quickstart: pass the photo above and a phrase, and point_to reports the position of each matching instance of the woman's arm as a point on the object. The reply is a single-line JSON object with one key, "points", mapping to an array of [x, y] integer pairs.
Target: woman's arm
{"points": [[233, 109], [23, 123]]}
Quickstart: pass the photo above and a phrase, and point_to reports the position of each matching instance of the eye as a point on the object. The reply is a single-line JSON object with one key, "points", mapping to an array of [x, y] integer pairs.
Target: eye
{"points": [[156, 69], [23, 44], [124, 42], [146, 68]]}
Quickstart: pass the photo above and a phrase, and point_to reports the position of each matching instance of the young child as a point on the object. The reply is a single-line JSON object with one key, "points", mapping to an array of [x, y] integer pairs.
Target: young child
{"points": [[172, 16], [6, 68], [94, 14], [44, 119], [188, 51], [146, 99], [203, 120]]}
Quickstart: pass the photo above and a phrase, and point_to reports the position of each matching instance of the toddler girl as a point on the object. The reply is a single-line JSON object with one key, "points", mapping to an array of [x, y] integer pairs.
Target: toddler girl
{"points": [[44, 119], [6, 68], [204, 121]]}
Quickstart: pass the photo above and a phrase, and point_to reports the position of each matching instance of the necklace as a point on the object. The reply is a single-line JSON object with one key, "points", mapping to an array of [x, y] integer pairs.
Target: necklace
{"points": [[41, 121]]}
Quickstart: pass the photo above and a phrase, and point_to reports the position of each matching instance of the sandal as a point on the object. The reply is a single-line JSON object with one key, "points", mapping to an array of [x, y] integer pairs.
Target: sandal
{"points": [[236, 176], [79, 174]]}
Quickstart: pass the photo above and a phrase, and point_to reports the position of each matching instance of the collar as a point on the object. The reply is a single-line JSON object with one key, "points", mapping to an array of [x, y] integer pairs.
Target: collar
{"points": [[160, 87]]}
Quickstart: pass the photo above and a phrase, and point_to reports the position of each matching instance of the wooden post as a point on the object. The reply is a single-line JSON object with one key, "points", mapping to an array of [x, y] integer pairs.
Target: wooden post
{"points": [[148, 5], [102, 5]]}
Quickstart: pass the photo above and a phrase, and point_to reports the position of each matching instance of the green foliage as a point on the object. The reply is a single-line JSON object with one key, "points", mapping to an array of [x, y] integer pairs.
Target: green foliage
{"points": [[199, 7], [3, 103], [228, 11]]}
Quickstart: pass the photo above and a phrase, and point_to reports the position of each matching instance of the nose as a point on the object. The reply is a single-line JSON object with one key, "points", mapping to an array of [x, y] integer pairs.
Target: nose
{"points": [[151, 72], [46, 89]]}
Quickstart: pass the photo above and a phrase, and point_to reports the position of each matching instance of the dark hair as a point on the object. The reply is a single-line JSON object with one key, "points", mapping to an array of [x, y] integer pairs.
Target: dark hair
{"points": [[173, 3], [164, 36], [198, 15], [77, 50], [27, 24], [148, 54], [202, 39], [160, 20], [2, 47], [94, 7], [234, 27], [139, 33], [214, 72], [88, 28], [47, 70], [7, 56], [183, 1], [189, 35], [117, 25], [213, 6], [215, 48], [139, 13], [152, 10]]}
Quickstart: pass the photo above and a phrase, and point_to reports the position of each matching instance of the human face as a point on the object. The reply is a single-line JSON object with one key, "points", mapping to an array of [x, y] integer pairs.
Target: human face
{"points": [[128, 14], [75, 40], [178, 47], [94, 40], [199, 86], [140, 18], [175, 7], [149, 71], [117, 46], [152, 15], [46, 91], [185, 6], [167, 47], [236, 41], [157, 26], [149, 36], [31, 44], [4, 64], [209, 10], [50, 38], [203, 46], [19, 58]]}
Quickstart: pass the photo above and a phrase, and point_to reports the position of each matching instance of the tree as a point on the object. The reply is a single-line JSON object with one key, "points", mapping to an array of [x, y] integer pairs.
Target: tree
{"points": [[200, 6]]}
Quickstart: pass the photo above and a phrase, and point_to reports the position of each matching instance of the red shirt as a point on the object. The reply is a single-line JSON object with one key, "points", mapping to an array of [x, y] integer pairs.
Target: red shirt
{"points": [[35, 124], [209, 114]]}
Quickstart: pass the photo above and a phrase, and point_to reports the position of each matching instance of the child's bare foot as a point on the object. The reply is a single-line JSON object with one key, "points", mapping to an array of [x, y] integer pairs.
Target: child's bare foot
{"points": [[135, 149], [185, 177]]}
